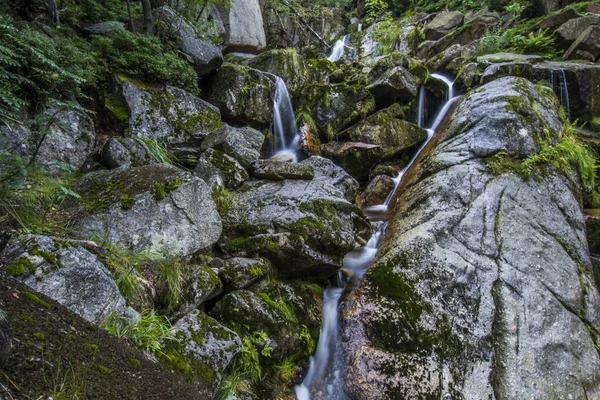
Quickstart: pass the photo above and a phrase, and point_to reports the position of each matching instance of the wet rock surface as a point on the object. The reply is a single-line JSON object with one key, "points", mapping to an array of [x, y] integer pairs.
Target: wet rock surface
{"points": [[483, 285]]}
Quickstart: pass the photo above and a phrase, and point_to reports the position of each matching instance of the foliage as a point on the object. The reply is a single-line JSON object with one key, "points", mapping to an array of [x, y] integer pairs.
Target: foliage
{"points": [[303, 115], [499, 39], [375, 10], [280, 305], [65, 385], [144, 57], [146, 331], [76, 12], [247, 361], [516, 7], [565, 155], [35, 68], [158, 151], [171, 273], [307, 339], [231, 384]]}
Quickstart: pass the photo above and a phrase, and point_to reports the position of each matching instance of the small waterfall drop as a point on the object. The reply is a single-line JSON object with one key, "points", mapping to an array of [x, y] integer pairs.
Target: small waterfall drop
{"points": [[359, 27], [338, 49], [324, 377], [284, 123], [558, 81]]}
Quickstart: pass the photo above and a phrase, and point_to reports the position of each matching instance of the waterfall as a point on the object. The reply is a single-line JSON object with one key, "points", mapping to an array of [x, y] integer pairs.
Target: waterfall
{"points": [[359, 27], [324, 376], [421, 110], [284, 123], [558, 81], [338, 49]]}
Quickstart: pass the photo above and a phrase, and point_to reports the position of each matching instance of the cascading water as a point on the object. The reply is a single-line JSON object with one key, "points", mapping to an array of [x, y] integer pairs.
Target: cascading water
{"points": [[324, 377], [284, 123], [558, 81], [338, 49]]}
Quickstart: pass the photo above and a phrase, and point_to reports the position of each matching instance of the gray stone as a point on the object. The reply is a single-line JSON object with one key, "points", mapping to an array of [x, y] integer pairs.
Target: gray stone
{"points": [[6, 338], [509, 57], [482, 289], [69, 274], [356, 158], [376, 191], [243, 94], [154, 207], [495, 71], [243, 144], [167, 115], [217, 168], [587, 44], [286, 64], [247, 308], [126, 152], [395, 85], [206, 346], [68, 144], [442, 24], [441, 60], [303, 227], [15, 139], [239, 272], [551, 22], [201, 283], [244, 27], [327, 171], [568, 32], [278, 171], [204, 55], [104, 28]]}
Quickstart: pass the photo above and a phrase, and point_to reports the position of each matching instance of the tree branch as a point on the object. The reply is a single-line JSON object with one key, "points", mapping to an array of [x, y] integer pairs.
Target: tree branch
{"points": [[301, 19]]}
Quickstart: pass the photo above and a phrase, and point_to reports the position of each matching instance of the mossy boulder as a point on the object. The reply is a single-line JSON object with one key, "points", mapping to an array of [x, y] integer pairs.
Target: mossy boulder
{"points": [[376, 191], [279, 170], [217, 168], [68, 273], [498, 70], [356, 158], [586, 47], [395, 85], [327, 171], [154, 207], [165, 114], [285, 63], [442, 24], [243, 94], [259, 312], [239, 272], [243, 144], [202, 350], [388, 129], [303, 227], [126, 152]]}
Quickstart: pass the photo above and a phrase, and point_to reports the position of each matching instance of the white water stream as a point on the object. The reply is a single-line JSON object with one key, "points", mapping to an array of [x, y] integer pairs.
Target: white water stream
{"points": [[558, 81], [338, 49], [324, 377], [284, 122]]}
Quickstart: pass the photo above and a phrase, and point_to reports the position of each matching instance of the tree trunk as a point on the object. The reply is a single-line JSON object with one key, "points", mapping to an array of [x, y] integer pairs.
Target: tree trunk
{"points": [[148, 20], [131, 27], [53, 13]]}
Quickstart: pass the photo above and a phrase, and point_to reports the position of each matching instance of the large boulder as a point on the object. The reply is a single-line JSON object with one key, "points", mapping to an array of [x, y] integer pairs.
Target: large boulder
{"points": [[568, 32], [442, 24], [203, 54], [395, 85], [356, 158], [202, 350], [286, 64], [243, 144], [104, 28], [240, 272], [279, 170], [154, 207], [327, 171], [582, 86], [495, 71], [388, 129], [244, 27], [126, 152], [587, 45], [68, 273], [553, 21], [217, 168], [482, 286], [243, 94], [303, 227], [166, 114]]}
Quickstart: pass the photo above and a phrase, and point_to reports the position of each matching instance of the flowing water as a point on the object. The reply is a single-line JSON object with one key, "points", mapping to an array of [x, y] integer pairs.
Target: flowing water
{"points": [[558, 81], [324, 377], [284, 123], [338, 49]]}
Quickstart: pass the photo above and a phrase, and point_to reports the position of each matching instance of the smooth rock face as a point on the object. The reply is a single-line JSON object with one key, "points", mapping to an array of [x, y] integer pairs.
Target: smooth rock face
{"points": [[69, 274], [204, 55], [171, 115], [243, 144], [206, 346], [156, 207], [482, 286], [325, 170], [278, 170], [442, 24], [243, 94], [355, 157], [303, 227], [6, 337], [244, 27], [217, 168]]}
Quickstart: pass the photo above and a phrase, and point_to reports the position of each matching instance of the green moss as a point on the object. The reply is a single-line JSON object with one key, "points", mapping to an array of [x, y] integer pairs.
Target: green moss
{"points": [[256, 271], [93, 347], [26, 318], [158, 191], [116, 107], [127, 202], [595, 124], [285, 310], [173, 360], [35, 299], [19, 266], [49, 257], [39, 336], [103, 369], [134, 362]]}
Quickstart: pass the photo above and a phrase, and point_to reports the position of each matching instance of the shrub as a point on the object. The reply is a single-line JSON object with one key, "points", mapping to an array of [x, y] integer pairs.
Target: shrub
{"points": [[147, 331]]}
